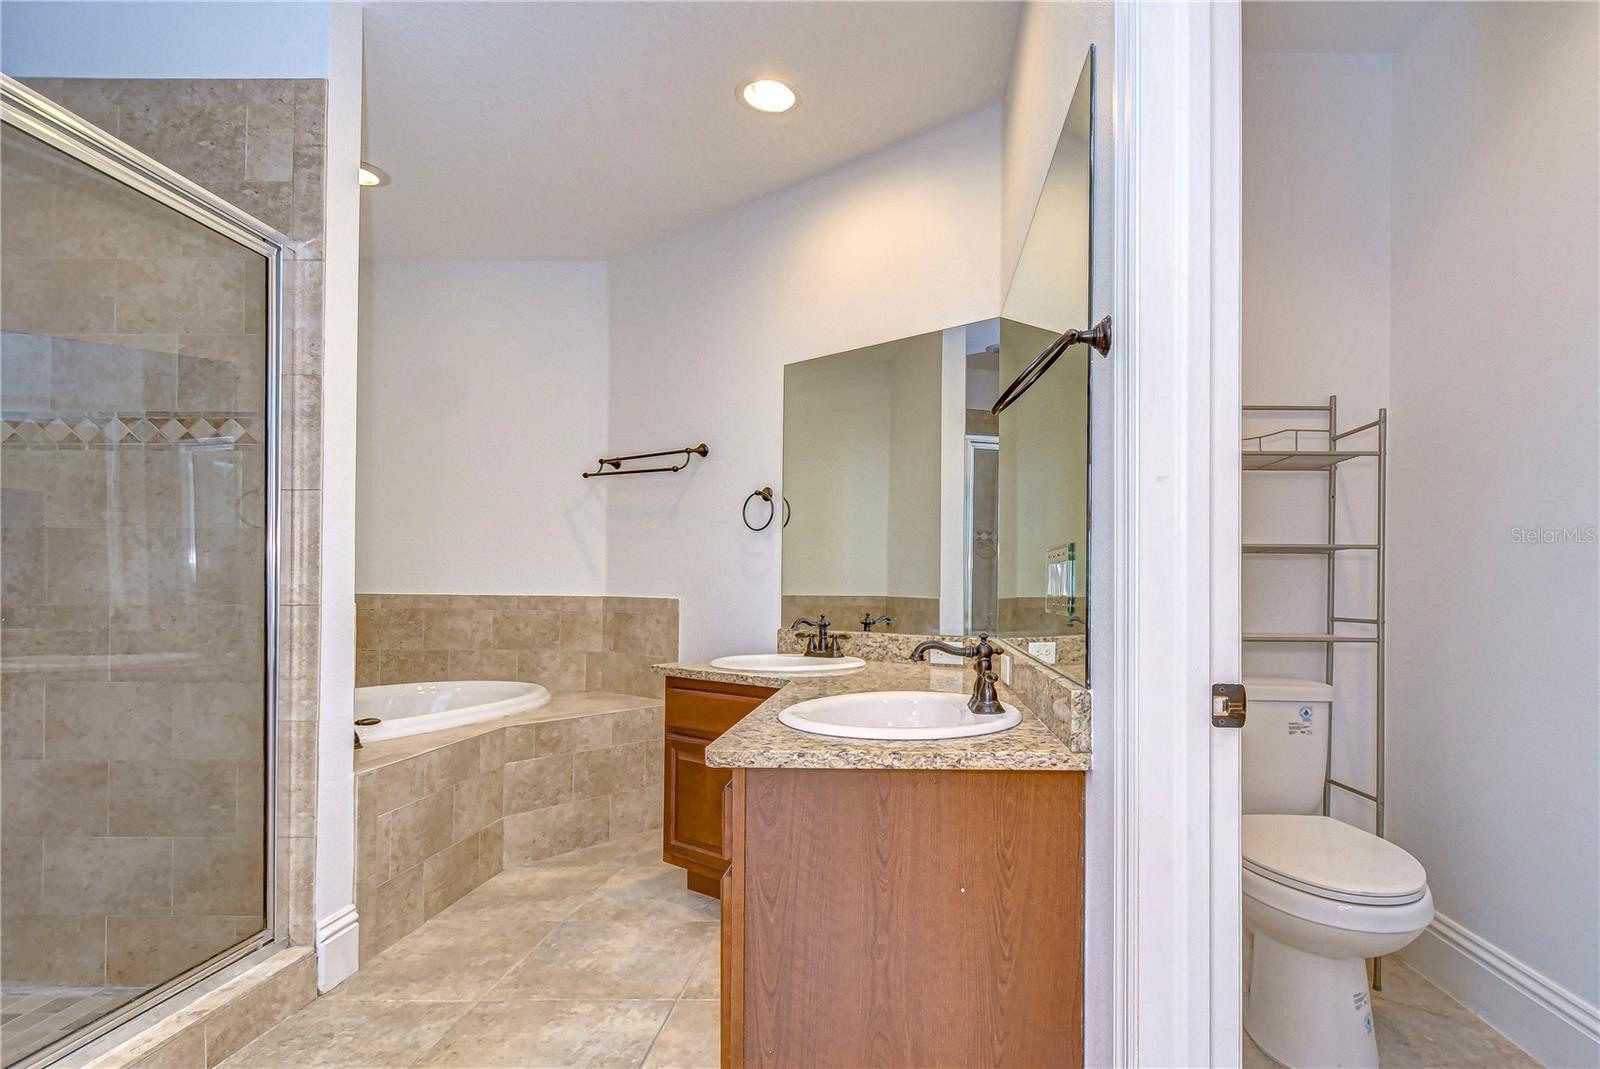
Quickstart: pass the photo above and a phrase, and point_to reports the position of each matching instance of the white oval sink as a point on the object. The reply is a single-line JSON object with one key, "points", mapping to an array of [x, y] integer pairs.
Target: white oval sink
{"points": [[896, 714], [788, 664]]}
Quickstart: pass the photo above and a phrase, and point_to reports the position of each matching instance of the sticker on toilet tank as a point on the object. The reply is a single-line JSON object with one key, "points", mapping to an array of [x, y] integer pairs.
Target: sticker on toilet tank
{"points": [[1301, 724]]}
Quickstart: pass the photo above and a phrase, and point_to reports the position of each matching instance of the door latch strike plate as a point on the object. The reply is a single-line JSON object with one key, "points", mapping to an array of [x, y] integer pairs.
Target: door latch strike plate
{"points": [[1227, 705]]}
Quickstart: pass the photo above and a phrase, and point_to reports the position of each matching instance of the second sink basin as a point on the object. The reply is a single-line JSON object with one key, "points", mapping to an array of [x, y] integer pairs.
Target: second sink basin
{"points": [[896, 714], [788, 664]]}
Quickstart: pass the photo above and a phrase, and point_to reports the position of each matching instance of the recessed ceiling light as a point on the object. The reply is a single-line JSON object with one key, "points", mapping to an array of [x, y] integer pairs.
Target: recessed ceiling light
{"points": [[769, 95], [370, 176]]}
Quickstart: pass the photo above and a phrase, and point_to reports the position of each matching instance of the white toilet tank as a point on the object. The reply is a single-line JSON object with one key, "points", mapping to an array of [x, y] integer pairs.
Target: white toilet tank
{"points": [[1285, 744]]}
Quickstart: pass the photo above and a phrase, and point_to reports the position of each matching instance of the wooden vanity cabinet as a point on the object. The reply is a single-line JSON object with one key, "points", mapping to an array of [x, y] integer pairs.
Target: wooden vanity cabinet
{"points": [[903, 918], [698, 711]]}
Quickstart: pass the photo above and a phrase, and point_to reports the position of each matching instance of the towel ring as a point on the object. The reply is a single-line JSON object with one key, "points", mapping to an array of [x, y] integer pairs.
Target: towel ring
{"points": [[765, 494], [786, 512]]}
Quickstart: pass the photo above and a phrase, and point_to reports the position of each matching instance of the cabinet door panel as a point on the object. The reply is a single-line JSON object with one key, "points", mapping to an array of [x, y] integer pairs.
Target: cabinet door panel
{"points": [[694, 805]]}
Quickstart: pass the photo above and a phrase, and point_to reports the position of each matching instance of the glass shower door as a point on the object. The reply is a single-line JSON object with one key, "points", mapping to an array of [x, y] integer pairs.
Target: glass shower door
{"points": [[134, 611]]}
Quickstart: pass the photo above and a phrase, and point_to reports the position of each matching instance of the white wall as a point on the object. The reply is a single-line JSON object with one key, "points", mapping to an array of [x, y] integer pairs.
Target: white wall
{"points": [[897, 243], [1493, 692], [238, 39], [483, 399], [337, 938], [1316, 323]]}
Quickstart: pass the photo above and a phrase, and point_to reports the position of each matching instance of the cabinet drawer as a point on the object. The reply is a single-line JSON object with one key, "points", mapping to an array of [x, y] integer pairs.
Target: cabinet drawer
{"points": [[707, 709]]}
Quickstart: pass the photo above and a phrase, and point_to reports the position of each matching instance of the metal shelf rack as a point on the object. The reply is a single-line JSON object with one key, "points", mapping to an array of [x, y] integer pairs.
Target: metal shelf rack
{"points": [[1281, 451]]}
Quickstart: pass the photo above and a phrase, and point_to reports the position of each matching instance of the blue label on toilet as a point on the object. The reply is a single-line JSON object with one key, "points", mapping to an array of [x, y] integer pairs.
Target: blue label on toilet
{"points": [[1301, 726]]}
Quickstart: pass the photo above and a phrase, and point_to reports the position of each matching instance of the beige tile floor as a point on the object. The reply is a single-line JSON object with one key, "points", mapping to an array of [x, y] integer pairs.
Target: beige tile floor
{"points": [[600, 957], [1421, 1027]]}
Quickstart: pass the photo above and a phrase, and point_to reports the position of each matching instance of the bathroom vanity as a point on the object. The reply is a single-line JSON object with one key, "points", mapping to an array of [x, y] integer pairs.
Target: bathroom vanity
{"points": [[698, 711], [897, 903]]}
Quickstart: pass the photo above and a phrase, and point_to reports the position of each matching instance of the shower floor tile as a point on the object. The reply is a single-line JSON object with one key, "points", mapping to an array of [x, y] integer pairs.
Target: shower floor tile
{"points": [[33, 1016], [600, 957]]}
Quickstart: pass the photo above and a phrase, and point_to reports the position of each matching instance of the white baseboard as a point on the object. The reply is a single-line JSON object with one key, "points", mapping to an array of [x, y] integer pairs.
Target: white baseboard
{"points": [[338, 948], [1540, 1016]]}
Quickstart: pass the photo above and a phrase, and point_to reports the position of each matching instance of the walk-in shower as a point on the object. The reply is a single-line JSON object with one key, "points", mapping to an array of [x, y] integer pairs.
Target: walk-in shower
{"points": [[137, 622]]}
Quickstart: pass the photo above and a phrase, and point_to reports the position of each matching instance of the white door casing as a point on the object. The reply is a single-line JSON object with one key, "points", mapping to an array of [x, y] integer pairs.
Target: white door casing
{"points": [[1175, 522]]}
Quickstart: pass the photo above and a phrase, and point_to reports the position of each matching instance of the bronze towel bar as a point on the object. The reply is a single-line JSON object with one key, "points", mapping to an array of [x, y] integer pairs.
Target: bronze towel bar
{"points": [[616, 463]]}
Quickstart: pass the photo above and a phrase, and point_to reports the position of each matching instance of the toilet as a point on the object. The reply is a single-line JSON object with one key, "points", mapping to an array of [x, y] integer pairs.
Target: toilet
{"points": [[1320, 896]]}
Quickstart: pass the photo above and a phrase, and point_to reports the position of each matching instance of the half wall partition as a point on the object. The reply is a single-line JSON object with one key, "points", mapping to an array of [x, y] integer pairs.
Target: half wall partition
{"points": [[138, 509]]}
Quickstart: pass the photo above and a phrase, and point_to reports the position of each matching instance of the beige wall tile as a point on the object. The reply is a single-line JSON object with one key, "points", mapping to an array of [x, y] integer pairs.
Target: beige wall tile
{"points": [[53, 797], [527, 629], [449, 874], [583, 629], [400, 902], [21, 871], [222, 721], [543, 833], [572, 735], [152, 950], [482, 664], [54, 950], [449, 765], [638, 725], [269, 142], [561, 671], [421, 830], [538, 784], [412, 666], [101, 876], [398, 784], [188, 798], [220, 877], [130, 721], [52, 296], [477, 804], [635, 810], [616, 768], [459, 629]]}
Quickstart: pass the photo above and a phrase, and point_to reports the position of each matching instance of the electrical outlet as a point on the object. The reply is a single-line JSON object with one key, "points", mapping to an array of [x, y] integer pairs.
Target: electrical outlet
{"points": [[941, 657], [1005, 668], [1044, 652]]}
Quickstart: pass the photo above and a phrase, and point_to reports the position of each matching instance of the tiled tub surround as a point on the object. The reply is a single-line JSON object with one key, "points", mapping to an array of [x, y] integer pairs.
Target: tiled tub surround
{"points": [[438, 814], [121, 770], [565, 643]]}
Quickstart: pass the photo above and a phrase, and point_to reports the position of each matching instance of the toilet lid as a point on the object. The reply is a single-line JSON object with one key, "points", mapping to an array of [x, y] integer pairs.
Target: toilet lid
{"points": [[1331, 859]]}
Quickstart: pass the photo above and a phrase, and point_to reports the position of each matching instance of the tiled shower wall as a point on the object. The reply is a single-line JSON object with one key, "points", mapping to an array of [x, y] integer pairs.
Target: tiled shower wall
{"points": [[565, 643], [122, 782]]}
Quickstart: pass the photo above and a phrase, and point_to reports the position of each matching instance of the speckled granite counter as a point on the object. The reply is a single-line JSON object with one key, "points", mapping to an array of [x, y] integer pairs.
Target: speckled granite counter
{"points": [[760, 741]]}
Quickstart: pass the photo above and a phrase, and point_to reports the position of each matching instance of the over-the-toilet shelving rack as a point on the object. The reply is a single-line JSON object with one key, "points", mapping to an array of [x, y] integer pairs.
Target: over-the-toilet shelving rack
{"points": [[1295, 449]]}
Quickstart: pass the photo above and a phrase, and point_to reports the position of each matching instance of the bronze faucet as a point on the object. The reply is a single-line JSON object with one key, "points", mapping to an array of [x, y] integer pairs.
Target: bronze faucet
{"points": [[868, 622], [818, 644], [984, 700]]}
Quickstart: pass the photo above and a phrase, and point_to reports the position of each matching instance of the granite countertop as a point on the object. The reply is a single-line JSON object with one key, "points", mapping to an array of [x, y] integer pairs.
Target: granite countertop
{"points": [[760, 741]]}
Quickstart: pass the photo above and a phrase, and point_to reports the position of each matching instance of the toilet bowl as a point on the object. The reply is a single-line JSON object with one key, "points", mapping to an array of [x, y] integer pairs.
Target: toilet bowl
{"points": [[1321, 897]]}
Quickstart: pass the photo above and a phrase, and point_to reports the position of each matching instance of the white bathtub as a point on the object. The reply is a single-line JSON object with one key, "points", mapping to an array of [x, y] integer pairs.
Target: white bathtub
{"points": [[413, 708]]}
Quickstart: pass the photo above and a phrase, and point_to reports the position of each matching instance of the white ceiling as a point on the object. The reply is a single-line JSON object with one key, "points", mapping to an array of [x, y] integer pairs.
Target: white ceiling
{"points": [[574, 131], [1370, 26]]}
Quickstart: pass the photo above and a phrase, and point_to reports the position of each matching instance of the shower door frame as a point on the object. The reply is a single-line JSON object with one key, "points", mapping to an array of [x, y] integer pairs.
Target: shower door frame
{"points": [[40, 118]]}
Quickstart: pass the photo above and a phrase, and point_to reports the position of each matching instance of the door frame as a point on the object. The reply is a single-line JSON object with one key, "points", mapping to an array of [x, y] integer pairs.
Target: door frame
{"points": [[1174, 628]]}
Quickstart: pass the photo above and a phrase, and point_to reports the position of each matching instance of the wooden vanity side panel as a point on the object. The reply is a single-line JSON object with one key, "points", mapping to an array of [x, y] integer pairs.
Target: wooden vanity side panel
{"points": [[907, 918], [733, 926]]}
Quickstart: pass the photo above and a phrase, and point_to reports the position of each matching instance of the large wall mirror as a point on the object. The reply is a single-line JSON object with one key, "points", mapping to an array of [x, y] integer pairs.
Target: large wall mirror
{"points": [[908, 498]]}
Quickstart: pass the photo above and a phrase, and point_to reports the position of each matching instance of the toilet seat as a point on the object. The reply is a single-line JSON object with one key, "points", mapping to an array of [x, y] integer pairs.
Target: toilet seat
{"points": [[1331, 859]]}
